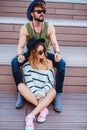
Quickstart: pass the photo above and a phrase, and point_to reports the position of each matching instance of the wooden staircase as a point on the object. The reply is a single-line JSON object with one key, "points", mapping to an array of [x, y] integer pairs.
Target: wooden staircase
{"points": [[70, 21]]}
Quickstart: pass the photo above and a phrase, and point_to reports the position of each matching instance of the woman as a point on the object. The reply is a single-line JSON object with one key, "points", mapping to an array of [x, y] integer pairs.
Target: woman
{"points": [[39, 79]]}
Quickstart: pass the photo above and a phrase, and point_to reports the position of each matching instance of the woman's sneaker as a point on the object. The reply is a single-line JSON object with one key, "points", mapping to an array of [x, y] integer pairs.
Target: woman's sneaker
{"points": [[29, 122], [43, 114]]}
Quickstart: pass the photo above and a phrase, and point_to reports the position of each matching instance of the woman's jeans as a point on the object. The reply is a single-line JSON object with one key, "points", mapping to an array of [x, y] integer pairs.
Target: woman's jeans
{"points": [[60, 70]]}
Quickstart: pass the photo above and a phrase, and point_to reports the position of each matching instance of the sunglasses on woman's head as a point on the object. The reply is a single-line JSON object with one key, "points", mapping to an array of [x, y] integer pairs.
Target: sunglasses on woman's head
{"points": [[41, 52], [40, 11]]}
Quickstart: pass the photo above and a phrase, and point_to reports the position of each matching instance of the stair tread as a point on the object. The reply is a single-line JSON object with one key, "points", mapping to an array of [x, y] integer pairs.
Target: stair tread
{"points": [[59, 22], [74, 56]]}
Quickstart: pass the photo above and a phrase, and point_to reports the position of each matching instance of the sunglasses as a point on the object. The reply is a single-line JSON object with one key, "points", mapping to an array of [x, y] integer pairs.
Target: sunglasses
{"points": [[40, 11], [41, 52]]}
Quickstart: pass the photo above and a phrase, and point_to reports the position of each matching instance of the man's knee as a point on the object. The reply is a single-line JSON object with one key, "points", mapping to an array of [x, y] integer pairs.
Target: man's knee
{"points": [[14, 61], [62, 64]]}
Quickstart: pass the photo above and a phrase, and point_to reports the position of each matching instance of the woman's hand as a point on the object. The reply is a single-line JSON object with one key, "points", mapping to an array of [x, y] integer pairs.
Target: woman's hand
{"points": [[39, 96]]}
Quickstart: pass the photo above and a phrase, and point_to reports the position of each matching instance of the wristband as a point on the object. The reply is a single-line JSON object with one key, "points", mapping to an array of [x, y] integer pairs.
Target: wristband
{"points": [[57, 52]]}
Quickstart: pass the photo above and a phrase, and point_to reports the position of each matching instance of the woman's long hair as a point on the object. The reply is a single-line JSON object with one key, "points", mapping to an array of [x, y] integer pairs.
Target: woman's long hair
{"points": [[33, 56]]}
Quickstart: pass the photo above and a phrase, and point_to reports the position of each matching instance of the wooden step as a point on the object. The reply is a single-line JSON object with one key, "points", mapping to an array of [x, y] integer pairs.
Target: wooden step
{"points": [[75, 80], [72, 117], [73, 50], [68, 32], [55, 9], [74, 56]]}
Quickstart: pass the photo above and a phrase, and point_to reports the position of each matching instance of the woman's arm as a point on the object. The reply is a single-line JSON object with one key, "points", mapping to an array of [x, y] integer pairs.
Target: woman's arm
{"points": [[22, 41], [48, 84], [28, 77]]}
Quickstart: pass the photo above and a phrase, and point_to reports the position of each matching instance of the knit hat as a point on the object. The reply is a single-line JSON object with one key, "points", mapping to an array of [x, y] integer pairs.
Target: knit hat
{"points": [[31, 6]]}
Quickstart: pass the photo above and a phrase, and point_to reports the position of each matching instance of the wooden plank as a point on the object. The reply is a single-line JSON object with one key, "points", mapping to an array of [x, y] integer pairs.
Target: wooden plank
{"points": [[70, 81], [80, 17], [74, 89], [6, 79], [8, 41], [75, 82], [72, 43], [71, 30], [76, 71], [62, 10], [8, 87], [4, 27], [16, 3], [72, 117], [12, 14], [76, 38], [12, 111], [80, 6], [12, 35], [66, 88], [79, 81], [74, 56], [59, 5], [72, 36], [5, 70]]}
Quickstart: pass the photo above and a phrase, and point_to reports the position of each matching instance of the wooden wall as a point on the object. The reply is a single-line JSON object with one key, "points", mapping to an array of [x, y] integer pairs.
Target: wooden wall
{"points": [[55, 10], [75, 79], [66, 35]]}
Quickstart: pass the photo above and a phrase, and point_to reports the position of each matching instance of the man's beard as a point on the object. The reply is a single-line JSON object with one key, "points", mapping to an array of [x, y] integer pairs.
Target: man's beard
{"points": [[39, 20]]}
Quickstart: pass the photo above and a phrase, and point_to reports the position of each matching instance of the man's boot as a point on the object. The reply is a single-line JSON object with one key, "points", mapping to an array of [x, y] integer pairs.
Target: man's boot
{"points": [[57, 103], [20, 101]]}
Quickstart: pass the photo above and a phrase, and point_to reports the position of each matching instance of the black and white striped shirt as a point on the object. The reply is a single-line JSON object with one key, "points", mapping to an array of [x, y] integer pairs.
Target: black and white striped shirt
{"points": [[38, 80]]}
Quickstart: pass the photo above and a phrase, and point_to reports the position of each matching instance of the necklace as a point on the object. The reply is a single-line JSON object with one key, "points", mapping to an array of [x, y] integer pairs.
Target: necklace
{"points": [[36, 32]]}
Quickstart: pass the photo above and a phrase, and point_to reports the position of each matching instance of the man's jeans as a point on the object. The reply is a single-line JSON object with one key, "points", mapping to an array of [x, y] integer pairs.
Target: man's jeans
{"points": [[60, 70]]}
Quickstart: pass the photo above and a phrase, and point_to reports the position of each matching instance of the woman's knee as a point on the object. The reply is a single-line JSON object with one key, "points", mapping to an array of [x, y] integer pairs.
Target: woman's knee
{"points": [[53, 92], [20, 86]]}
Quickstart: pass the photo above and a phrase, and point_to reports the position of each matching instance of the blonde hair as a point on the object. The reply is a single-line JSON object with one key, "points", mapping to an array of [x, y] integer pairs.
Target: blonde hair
{"points": [[33, 57]]}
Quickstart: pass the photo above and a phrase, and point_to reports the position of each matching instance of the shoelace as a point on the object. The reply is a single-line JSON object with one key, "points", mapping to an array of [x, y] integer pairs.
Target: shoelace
{"points": [[29, 122]]}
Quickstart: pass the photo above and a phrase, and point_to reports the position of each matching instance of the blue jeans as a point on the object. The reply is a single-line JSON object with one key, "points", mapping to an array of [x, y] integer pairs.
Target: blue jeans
{"points": [[60, 70]]}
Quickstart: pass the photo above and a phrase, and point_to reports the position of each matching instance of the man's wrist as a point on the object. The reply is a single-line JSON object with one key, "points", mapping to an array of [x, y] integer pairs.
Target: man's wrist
{"points": [[20, 54]]}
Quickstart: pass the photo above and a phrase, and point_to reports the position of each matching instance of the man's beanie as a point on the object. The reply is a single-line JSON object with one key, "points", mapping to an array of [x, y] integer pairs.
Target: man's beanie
{"points": [[31, 6]]}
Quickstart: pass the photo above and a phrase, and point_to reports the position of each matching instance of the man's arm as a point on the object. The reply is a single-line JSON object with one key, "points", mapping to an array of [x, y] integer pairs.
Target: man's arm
{"points": [[22, 40], [53, 39]]}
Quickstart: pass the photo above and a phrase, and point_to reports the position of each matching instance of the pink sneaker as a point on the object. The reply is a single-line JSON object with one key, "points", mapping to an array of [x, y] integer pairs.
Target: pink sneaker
{"points": [[43, 114], [29, 122]]}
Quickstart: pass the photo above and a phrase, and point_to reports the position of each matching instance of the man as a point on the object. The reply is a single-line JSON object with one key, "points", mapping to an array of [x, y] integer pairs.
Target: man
{"points": [[37, 27]]}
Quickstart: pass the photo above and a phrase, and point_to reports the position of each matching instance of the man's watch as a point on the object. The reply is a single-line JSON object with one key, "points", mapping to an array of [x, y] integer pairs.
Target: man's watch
{"points": [[57, 52]]}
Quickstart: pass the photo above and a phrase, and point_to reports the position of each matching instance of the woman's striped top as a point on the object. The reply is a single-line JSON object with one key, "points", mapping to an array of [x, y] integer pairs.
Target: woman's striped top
{"points": [[38, 80]]}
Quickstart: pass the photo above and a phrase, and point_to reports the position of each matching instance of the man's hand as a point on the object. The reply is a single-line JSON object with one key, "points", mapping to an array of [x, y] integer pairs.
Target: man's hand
{"points": [[57, 57], [21, 58]]}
